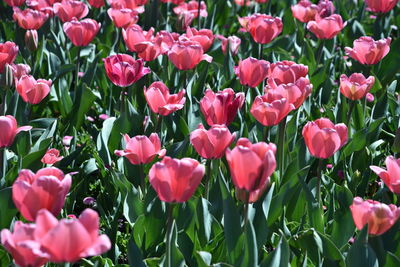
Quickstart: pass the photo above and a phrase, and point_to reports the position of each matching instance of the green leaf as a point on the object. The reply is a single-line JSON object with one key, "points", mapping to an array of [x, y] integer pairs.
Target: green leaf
{"points": [[7, 208], [280, 256], [360, 253]]}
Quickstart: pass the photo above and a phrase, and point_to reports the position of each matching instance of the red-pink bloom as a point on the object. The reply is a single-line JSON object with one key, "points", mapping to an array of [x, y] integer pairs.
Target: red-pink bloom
{"points": [[175, 2], [9, 130], [380, 6], [368, 51], [14, 3], [69, 240], [391, 176], [52, 156], [251, 166], [47, 189], [161, 101], [251, 71], [134, 35], [32, 91], [327, 27], [29, 19], [326, 8], [270, 109], [136, 5], [211, 143], [241, 2], [81, 33], [167, 40], [96, 3], [67, 140], [193, 8], [356, 86], [31, 40], [149, 50], [204, 37], [8, 53], [20, 69], [176, 180], [185, 19], [305, 11], [233, 42], [264, 28], [123, 70], [23, 245], [185, 55], [370, 97], [221, 107], [323, 138], [141, 149], [284, 72], [69, 9], [45, 6], [379, 216], [123, 18]]}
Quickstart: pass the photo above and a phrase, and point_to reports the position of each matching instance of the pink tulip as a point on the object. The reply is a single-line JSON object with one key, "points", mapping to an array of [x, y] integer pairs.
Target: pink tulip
{"points": [[32, 91], [20, 70], [81, 33], [270, 109], [192, 7], [8, 53], [9, 130], [356, 86], [326, 8], [379, 217], [96, 3], [69, 9], [176, 180], [14, 3], [327, 27], [141, 149], [29, 19], [305, 11], [69, 240], [47, 189], [45, 6], [204, 37], [233, 42], [284, 72], [123, 70], [221, 107], [134, 35], [368, 51], [391, 176], [161, 101], [136, 5], [31, 40], [251, 71], [212, 143], [380, 6], [323, 138], [185, 55], [123, 18], [149, 50], [264, 28], [168, 39], [175, 2], [370, 97], [67, 140], [251, 166], [185, 19], [52, 156]]}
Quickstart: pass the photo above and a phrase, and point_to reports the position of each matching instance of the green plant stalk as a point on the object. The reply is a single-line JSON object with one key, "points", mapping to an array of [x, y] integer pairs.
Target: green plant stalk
{"points": [[159, 124], [198, 15], [3, 106], [281, 144], [142, 179], [3, 162], [170, 221], [266, 131], [351, 107], [77, 72], [246, 212], [320, 51], [208, 178], [260, 51], [319, 177]]}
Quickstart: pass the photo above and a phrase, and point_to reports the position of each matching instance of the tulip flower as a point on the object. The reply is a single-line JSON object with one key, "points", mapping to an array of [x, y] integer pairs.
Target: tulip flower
{"points": [[67, 140], [23, 245], [136, 5], [380, 6], [185, 19], [379, 216], [233, 42], [323, 138], [45, 6], [251, 72], [212, 143], [134, 35], [368, 51], [270, 109], [326, 8], [8, 53], [161, 101], [32, 91], [47, 189], [31, 40], [305, 11], [52, 156], [168, 39], [176, 180], [69, 240], [369, 97], [96, 3], [221, 107], [185, 55], [175, 2], [123, 70], [20, 70], [356, 86], [29, 19], [81, 33], [284, 72], [123, 18], [141, 149], [251, 166], [14, 3], [193, 8], [327, 27], [391, 176], [9, 130], [264, 28], [204, 37], [69, 9]]}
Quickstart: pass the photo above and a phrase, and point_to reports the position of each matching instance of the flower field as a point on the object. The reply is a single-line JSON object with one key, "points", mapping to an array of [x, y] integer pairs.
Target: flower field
{"points": [[199, 133]]}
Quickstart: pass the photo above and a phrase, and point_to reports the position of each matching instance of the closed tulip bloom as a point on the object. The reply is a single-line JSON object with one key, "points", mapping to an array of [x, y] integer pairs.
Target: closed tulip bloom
{"points": [[193, 8], [9, 130], [149, 50], [379, 216], [264, 28], [20, 70], [251, 166], [380, 6], [284, 72], [270, 109], [23, 246], [69, 240], [327, 27], [29, 19], [221, 107], [141, 149], [356, 86], [176, 180], [47, 189], [326, 8], [123, 18], [130, 4], [233, 42], [368, 51], [134, 35], [31, 40], [8, 53], [52, 156], [185, 55], [96, 3], [45, 6], [251, 72], [184, 20], [305, 11], [204, 37], [175, 2], [161, 101], [69, 9], [81, 33], [14, 3], [32, 91], [390, 176], [123, 70], [211, 143], [323, 138]]}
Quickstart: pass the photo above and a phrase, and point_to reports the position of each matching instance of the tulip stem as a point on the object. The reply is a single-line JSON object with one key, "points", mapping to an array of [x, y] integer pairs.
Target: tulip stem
{"points": [[260, 51], [351, 107], [142, 179], [3, 106], [170, 222], [319, 175], [281, 144], [2, 156], [266, 131], [198, 15], [246, 211], [208, 179], [77, 71], [320, 51]]}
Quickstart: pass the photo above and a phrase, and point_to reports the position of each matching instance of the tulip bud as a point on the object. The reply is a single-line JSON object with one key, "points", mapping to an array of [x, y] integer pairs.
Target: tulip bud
{"points": [[7, 79], [31, 40]]}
